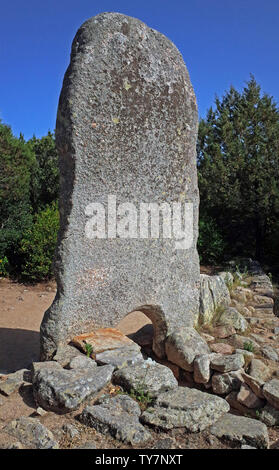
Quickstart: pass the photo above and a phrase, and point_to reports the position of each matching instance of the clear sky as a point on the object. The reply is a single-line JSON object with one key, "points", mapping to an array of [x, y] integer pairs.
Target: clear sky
{"points": [[222, 42]]}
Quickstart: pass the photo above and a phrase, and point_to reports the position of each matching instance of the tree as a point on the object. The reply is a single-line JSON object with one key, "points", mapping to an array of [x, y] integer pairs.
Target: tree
{"points": [[238, 166]]}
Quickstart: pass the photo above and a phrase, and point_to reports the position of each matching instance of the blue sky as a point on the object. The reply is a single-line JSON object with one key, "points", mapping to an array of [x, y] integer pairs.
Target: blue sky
{"points": [[222, 42]]}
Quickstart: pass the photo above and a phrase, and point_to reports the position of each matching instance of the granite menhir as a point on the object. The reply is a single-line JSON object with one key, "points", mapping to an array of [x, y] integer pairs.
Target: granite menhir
{"points": [[126, 136]]}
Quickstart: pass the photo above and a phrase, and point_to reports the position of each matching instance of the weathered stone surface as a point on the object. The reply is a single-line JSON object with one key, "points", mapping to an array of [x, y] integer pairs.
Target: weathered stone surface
{"points": [[148, 377], [259, 370], [117, 416], [239, 342], [223, 331], [13, 381], [227, 363], [104, 339], [248, 398], [214, 293], [231, 398], [126, 129], [119, 358], [270, 415], [64, 390], [202, 368], [65, 353], [31, 433], [70, 430], [185, 407], [82, 362], [227, 276], [270, 353], [221, 348], [271, 392], [183, 346], [225, 383], [38, 366], [241, 430], [233, 318], [254, 383]]}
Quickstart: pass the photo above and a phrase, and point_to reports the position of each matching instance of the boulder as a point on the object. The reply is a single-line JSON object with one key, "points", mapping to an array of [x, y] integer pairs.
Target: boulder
{"points": [[31, 433], [270, 415], [183, 346], [214, 293], [259, 370], [225, 383], [227, 363], [185, 407], [233, 318], [271, 392], [202, 368], [248, 398], [12, 382]]}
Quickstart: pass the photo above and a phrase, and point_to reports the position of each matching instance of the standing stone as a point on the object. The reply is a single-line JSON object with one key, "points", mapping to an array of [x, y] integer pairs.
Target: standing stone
{"points": [[126, 133]]}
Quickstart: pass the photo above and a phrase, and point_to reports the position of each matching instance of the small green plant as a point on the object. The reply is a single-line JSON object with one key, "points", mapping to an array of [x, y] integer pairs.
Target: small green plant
{"points": [[248, 346], [88, 349], [4, 263], [142, 396]]}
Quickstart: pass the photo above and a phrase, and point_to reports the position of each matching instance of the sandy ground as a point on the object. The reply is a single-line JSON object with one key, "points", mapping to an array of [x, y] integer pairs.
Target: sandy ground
{"points": [[21, 311]]}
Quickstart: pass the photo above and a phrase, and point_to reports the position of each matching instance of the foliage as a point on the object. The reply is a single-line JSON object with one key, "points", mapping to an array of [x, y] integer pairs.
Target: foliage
{"points": [[38, 244], [238, 166], [248, 346], [4, 263], [88, 349], [211, 246]]}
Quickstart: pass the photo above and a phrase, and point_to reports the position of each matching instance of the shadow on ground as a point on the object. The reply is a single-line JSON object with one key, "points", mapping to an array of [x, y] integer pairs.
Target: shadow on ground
{"points": [[18, 348]]}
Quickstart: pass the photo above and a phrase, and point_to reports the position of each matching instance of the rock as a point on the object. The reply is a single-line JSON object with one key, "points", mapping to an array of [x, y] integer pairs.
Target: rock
{"points": [[207, 338], [254, 384], [40, 411], [233, 318], [120, 358], [64, 390], [239, 296], [269, 415], [271, 392], [247, 447], [65, 353], [276, 307], [270, 353], [248, 355], [183, 346], [261, 282], [16, 445], [166, 443], [264, 301], [185, 407], [227, 363], [248, 398], [116, 418], [82, 362], [38, 366], [14, 381], [70, 430], [127, 113], [223, 331], [231, 398], [240, 342], [202, 368], [221, 348], [259, 370], [31, 433], [276, 330], [147, 377], [225, 383], [241, 430], [104, 339], [227, 276], [214, 293], [87, 445]]}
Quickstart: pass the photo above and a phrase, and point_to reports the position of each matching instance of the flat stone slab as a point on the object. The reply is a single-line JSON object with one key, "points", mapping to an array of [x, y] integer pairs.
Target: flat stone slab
{"points": [[147, 377], [241, 430], [226, 383], [120, 358], [82, 362], [183, 346], [185, 407], [65, 353], [31, 433], [12, 382], [119, 417], [269, 415], [259, 370], [271, 392], [231, 317], [248, 398], [104, 339], [227, 363], [64, 390]]}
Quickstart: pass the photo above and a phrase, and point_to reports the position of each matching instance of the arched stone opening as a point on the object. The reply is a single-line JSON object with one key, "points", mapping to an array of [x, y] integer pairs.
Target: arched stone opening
{"points": [[146, 322]]}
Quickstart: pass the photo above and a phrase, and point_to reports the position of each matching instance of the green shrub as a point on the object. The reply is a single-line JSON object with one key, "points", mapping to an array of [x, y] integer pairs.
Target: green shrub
{"points": [[4, 263], [38, 244], [211, 246]]}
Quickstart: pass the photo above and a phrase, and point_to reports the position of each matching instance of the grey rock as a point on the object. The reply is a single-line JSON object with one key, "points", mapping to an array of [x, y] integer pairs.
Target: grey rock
{"points": [[127, 113], [183, 346], [16, 445], [87, 445], [255, 384], [225, 383], [14, 381], [82, 362], [227, 276], [259, 370], [65, 353], [202, 368], [40, 411], [214, 293], [276, 330], [38, 366], [233, 318], [165, 443], [269, 415], [227, 363], [242, 430], [271, 392], [148, 377], [185, 407], [31, 433], [247, 447], [124, 401], [270, 353], [70, 430], [240, 342], [111, 417], [120, 358], [64, 390]]}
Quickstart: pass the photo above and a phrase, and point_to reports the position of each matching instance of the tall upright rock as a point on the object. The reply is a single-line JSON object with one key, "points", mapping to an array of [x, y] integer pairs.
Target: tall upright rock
{"points": [[126, 136]]}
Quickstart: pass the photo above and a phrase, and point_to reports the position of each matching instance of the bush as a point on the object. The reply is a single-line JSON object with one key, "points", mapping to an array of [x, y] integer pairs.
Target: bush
{"points": [[211, 246], [38, 244]]}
